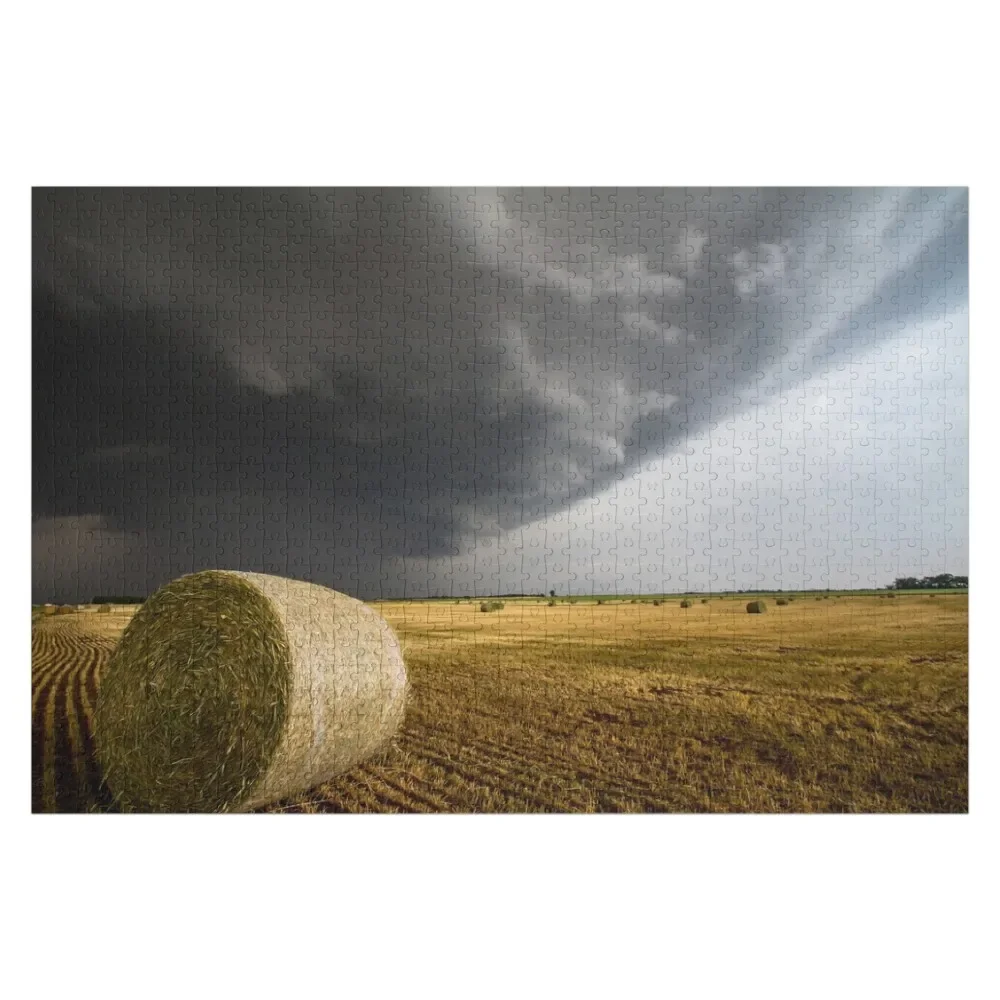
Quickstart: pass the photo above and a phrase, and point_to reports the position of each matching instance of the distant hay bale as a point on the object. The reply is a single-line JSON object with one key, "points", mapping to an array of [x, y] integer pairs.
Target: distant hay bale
{"points": [[893, 596], [230, 690], [656, 604], [600, 602], [65, 609], [104, 609], [49, 609], [491, 606], [704, 600], [781, 602], [818, 598], [756, 608], [552, 603], [685, 604]]}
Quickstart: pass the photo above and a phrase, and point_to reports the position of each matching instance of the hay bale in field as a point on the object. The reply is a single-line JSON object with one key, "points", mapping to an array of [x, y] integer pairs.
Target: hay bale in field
{"points": [[65, 609], [229, 690], [104, 609], [48, 609], [893, 596], [781, 602], [491, 606], [552, 604], [704, 600], [756, 608], [656, 604], [685, 604]]}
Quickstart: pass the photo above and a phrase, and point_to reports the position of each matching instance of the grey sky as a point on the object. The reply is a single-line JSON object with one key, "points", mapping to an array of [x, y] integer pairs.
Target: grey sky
{"points": [[465, 390]]}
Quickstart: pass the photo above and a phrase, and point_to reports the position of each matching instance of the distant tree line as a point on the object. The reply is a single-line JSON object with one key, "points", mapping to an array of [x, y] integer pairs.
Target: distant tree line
{"points": [[118, 600], [942, 581]]}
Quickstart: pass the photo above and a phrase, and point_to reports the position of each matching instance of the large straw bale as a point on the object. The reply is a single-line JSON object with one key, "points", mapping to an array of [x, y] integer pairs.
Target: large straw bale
{"points": [[756, 608], [229, 690]]}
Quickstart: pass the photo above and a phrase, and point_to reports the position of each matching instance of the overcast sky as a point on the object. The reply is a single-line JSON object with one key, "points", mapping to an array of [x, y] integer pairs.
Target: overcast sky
{"points": [[404, 392]]}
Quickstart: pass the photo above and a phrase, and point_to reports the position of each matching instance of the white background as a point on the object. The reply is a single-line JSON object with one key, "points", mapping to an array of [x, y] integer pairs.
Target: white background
{"points": [[437, 94]]}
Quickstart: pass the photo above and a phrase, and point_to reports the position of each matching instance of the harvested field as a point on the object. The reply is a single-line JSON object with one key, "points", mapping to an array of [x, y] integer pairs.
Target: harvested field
{"points": [[853, 705]]}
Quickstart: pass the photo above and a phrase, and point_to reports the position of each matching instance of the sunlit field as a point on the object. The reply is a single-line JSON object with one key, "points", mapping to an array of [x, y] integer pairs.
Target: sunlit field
{"points": [[839, 703]]}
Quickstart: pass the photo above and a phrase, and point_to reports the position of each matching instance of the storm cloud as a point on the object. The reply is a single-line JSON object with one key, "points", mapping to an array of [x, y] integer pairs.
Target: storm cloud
{"points": [[300, 380]]}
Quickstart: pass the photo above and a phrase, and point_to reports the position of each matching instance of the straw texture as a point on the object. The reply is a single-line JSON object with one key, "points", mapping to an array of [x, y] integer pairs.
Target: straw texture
{"points": [[230, 690]]}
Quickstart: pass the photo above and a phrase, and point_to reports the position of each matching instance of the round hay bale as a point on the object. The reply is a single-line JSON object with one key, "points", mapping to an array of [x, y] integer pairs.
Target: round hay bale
{"points": [[704, 600], [104, 609], [65, 609], [756, 608], [781, 602], [230, 690], [685, 604], [49, 609]]}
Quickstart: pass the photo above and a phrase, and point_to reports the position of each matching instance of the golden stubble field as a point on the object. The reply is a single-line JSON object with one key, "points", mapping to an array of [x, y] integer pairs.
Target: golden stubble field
{"points": [[842, 704]]}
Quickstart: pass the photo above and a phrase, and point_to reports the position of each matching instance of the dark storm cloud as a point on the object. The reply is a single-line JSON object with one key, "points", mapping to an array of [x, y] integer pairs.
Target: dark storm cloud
{"points": [[283, 379]]}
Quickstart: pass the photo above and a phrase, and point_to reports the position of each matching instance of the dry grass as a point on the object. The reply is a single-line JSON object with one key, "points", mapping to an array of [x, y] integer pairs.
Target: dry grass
{"points": [[849, 705]]}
